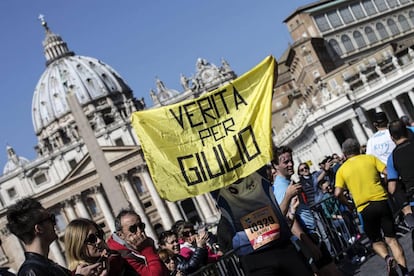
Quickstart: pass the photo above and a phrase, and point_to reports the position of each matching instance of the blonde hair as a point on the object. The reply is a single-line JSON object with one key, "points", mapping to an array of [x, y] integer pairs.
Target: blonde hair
{"points": [[165, 254], [75, 235]]}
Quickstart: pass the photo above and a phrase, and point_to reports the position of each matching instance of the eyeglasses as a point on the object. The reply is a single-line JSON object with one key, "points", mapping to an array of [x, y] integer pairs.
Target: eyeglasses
{"points": [[303, 169], [93, 238], [189, 233], [134, 227], [50, 217], [168, 260]]}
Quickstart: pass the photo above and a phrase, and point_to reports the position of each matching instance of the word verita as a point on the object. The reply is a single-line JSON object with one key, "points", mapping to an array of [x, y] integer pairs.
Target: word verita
{"points": [[208, 109]]}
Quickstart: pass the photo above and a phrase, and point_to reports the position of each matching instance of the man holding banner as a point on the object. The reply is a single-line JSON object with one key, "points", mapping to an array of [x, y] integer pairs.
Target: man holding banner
{"points": [[203, 144], [218, 142], [257, 228]]}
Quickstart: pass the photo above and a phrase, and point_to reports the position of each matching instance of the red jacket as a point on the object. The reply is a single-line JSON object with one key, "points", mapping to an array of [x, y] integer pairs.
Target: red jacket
{"points": [[151, 265]]}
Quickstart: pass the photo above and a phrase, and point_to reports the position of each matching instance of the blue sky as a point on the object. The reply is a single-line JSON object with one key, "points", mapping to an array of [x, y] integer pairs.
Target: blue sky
{"points": [[140, 39]]}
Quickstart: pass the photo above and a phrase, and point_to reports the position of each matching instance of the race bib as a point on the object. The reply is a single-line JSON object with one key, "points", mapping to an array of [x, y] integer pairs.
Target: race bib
{"points": [[261, 226]]}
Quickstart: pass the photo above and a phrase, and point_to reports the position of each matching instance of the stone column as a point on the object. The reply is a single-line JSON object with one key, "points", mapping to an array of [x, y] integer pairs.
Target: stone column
{"points": [[198, 209], [106, 210], [323, 146], [397, 107], [175, 212], [57, 254], [69, 211], [316, 153], [332, 142], [368, 130], [213, 205], [411, 96], [359, 132], [159, 204], [205, 208], [81, 208], [136, 204]]}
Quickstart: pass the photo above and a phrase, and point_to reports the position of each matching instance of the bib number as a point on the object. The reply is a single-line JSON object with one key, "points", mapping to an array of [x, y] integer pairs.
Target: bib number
{"points": [[261, 226]]}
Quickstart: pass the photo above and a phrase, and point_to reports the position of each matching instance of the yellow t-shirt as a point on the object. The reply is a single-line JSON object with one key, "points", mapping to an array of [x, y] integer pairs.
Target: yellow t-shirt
{"points": [[360, 174]]}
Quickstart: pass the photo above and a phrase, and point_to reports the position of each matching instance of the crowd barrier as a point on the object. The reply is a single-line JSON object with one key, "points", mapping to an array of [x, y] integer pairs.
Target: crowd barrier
{"points": [[337, 227], [228, 264]]}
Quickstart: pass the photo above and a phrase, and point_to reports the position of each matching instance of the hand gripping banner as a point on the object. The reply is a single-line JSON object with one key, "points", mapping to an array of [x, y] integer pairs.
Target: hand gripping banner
{"points": [[200, 145]]}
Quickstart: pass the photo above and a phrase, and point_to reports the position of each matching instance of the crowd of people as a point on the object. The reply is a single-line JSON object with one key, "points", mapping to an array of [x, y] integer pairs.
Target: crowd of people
{"points": [[274, 224], [127, 252]]}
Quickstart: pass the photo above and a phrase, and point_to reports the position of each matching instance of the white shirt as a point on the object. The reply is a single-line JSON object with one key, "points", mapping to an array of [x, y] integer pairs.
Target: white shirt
{"points": [[380, 145]]}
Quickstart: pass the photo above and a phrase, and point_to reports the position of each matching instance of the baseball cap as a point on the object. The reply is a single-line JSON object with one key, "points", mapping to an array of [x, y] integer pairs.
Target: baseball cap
{"points": [[380, 117]]}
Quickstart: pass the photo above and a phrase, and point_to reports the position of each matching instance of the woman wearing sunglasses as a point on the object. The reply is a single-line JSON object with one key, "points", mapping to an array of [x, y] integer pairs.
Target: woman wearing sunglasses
{"points": [[85, 245], [168, 258]]}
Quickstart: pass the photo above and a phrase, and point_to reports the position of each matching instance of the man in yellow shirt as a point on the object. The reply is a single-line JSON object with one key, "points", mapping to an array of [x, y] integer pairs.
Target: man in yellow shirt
{"points": [[360, 174]]}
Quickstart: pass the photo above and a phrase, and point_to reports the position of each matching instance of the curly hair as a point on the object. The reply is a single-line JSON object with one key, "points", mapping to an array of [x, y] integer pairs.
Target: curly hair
{"points": [[22, 218]]}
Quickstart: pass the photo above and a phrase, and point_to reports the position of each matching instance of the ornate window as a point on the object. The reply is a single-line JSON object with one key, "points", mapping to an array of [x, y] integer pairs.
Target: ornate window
{"points": [[60, 220], [381, 5], [372, 37], [382, 31], [369, 7], [138, 185], [392, 3], [334, 19], [40, 178], [411, 15], [405, 26], [148, 204], [72, 163], [336, 47], [158, 229], [346, 15], [393, 27], [322, 23], [119, 142], [359, 39], [93, 208], [357, 11], [189, 210], [346, 41], [11, 192]]}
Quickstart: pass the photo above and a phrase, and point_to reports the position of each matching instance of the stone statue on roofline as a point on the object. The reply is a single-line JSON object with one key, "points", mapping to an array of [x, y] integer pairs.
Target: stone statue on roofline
{"points": [[184, 82]]}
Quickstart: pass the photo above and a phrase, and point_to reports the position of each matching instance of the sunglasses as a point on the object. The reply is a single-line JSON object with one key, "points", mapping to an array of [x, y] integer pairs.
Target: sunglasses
{"points": [[93, 238], [50, 217], [172, 242], [168, 260], [303, 169], [189, 233], [134, 227]]}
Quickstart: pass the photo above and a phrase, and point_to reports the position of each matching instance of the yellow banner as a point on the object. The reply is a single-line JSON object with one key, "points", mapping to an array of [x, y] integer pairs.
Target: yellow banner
{"points": [[204, 144]]}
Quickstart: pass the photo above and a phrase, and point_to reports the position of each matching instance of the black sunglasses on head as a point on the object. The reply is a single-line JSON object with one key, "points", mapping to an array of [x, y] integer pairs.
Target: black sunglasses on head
{"points": [[51, 217], [134, 227], [189, 233], [93, 238]]}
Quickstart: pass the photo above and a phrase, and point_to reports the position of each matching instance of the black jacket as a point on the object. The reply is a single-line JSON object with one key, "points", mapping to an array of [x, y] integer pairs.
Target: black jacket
{"points": [[197, 260], [37, 265]]}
